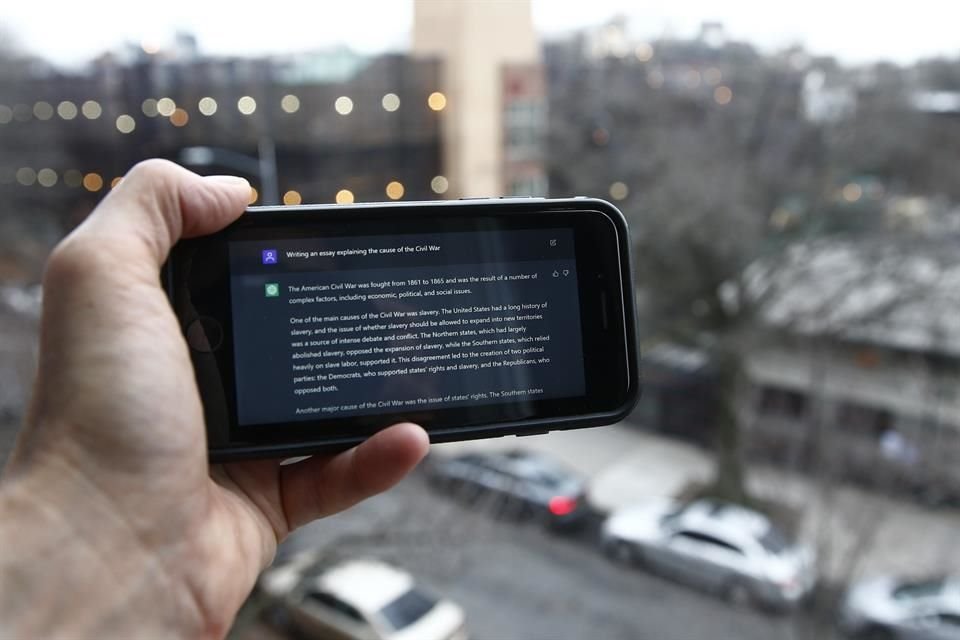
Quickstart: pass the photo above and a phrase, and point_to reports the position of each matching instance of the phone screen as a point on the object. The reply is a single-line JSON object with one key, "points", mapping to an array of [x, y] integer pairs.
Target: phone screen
{"points": [[333, 327]]}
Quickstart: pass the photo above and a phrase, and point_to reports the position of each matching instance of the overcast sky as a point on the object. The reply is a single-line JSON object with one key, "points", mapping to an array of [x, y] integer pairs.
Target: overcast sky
{"points": [[854, 30]]}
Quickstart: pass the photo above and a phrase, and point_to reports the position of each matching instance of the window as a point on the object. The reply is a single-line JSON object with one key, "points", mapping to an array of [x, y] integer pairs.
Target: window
{"points": [[703, 539], [914, 590], [334, 603], [407, 609], [858, 418], [785, 403]]}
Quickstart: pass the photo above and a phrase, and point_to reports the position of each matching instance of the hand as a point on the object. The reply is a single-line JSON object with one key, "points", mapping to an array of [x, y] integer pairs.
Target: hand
{"points": [[111, 521]]}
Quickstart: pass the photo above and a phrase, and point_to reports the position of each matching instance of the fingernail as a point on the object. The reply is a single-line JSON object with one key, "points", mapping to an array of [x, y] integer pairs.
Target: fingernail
{"points": [[233, 181]]}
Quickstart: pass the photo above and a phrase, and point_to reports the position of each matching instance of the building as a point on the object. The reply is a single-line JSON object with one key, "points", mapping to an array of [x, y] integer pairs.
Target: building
{"points": [[494, 126]]}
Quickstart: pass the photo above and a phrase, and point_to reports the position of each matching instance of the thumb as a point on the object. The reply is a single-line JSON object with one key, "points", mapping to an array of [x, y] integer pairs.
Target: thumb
{"points": [[156, 204]]}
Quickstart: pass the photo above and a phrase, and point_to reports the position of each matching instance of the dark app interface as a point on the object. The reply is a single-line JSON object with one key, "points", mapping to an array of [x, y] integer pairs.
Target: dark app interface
{"points": [[334, 327]]}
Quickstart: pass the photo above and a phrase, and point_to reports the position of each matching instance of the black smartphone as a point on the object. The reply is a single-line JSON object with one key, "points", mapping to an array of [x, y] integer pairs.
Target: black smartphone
{"points": [[312, 327]]}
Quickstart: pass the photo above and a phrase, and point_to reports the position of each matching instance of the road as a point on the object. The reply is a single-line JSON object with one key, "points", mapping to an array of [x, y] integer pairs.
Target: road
{"points": [[520, 581]]}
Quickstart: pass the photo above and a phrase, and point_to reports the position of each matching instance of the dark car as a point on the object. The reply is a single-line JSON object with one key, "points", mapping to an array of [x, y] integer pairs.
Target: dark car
{"points": [[515, 484]]}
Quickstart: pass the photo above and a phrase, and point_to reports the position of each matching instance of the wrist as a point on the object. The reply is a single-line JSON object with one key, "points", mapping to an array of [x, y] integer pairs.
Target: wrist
{"points": [[69, 568]]}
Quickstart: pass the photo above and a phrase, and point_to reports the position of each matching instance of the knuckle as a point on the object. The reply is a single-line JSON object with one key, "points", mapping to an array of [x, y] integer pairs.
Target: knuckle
{"points": [[153, 170]]}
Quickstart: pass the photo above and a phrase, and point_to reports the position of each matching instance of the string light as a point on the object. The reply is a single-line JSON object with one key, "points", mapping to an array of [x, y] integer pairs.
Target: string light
{"points": [[619, 191], [115, 182], [292, 197], [166, 107], [126, 124], [722, 95], [179, 118], [149, 108], [26, 176], [43, 110], [6, 114], [644, 52], [72, 178], [344, 196], [254, 195]]}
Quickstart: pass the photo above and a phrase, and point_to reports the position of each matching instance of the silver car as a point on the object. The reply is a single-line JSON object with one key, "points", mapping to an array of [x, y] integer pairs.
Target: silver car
{"points": [[720, 547], [887, 608]]}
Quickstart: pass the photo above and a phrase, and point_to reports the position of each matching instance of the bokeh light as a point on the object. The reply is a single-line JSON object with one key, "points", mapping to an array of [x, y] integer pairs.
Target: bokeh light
{"points": [[207, 106], [6, 114], [644, 52], [126, 124], [290, 103], [47, 177], [179, 117], [254, 195], [619, 190], [166, 107], [292, 197], [149, 108], [722, 95], [344, 196], [395, 190], [67, 110], [439, 184], [115, 182], [390, 102], [91, 109], [92, 182], [26, 176], [246, 105], [72, 178], [852, 192], [437, 101], [343, 105], [43, 110]]}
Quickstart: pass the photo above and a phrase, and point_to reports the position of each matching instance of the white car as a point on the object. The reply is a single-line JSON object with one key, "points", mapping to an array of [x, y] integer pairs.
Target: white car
{"points": [[887, 608], [360, 600], [721, 547]]}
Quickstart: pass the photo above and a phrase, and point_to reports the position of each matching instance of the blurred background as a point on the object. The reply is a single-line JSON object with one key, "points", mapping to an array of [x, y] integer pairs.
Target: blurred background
{"points": [[791, 181]]}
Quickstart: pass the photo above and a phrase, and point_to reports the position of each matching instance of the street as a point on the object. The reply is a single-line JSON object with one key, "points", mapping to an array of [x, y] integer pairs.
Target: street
{"points": [[516, 580]]}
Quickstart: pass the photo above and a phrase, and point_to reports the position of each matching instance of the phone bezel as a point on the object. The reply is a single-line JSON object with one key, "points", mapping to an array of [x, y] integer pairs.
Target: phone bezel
{"points": [[611, 360]]}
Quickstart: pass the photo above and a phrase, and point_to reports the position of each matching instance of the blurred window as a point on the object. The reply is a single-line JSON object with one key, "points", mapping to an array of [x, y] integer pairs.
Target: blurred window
{"points": [[774, 541], [869, 421], [704, 539], [330, 601], [776, 401], [407, 609], [914, 590]]}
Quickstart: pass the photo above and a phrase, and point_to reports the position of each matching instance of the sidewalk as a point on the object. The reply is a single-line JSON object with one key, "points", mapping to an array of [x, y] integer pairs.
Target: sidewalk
{"points": [[626, 465]]}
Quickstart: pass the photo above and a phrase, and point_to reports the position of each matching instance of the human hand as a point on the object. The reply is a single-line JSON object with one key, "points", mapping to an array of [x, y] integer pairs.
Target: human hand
{"points": [[112, 523]]}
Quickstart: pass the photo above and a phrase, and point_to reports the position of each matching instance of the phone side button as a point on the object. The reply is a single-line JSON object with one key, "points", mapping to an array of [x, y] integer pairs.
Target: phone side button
{"points": [[204, 334]]}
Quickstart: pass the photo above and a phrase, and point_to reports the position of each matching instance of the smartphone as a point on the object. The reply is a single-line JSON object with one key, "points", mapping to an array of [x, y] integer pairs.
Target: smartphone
{"points": [[312, 327]]}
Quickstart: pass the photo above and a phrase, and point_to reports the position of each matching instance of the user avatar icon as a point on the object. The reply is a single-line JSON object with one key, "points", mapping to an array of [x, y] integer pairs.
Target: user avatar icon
{"points": [[271, 290], [269, 256]]}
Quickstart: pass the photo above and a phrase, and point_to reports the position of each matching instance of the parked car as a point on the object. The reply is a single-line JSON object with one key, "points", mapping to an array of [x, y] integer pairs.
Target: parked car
{"points": [[888, 608], [359, 600], [721, 547], [518, 484]]}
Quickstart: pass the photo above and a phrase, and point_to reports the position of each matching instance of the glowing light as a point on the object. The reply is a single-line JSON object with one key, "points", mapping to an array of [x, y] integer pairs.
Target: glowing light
{"points": [[619, 191], [344, 196], [722, 95], [292, 197], [713, 76], [390, 102], [439, 184], [126, 124], [72, 178], [166, 107], [43, 110], [26, 176], [22, 113], [394, 190], [343, 105], [207, 106], [6, 114], [47, 177], [149, 108], [562, 505], [67, 110], [91, 109], [644, 52], [115, 182], [437, 101], [692, 78], [290, 103], [150, 47], [179, 117], [852, 192], [655, 79], [246, 105], [92, 182], [254, 194]]}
